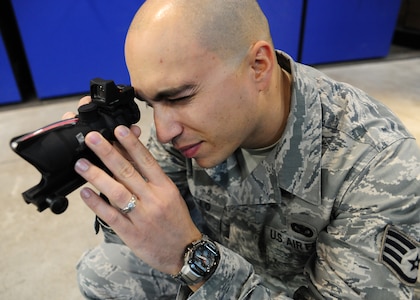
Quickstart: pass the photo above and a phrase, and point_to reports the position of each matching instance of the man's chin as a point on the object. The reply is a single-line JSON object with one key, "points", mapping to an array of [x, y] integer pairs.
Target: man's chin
{"points": [[207, 163]]}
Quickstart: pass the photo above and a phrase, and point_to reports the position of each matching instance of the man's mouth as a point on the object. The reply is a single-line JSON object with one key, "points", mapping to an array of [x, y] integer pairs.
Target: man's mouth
{"points": [[191, 150]]}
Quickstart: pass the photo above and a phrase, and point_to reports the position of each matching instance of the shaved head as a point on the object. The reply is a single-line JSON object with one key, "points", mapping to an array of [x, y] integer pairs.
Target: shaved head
{"points": [[209, 70], [225, 27]]}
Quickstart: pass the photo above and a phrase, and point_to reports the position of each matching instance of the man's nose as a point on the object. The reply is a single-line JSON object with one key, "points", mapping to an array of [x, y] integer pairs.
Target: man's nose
{"points": [[167, 126]]}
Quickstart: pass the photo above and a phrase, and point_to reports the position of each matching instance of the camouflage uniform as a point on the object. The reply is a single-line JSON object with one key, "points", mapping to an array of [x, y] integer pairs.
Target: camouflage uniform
{"points": [[332, 212]]}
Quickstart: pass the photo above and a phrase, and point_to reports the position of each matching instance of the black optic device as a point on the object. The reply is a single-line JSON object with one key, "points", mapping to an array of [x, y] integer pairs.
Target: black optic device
{"points": [[55, 148]]}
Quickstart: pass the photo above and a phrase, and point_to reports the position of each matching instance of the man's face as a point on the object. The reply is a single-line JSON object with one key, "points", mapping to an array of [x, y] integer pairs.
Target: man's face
{"points": [[203, 106]]}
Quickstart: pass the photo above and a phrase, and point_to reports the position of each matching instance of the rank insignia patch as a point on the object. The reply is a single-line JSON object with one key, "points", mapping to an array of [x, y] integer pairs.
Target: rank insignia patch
{"points": [[401, 254]]}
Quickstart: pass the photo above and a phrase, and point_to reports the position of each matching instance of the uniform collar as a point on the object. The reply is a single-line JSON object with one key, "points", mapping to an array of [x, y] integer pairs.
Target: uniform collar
{"points": [[298, 154]]}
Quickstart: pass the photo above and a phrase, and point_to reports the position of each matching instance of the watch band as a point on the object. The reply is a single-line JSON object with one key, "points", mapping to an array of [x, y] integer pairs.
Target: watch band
{"points": [[200, 261]]}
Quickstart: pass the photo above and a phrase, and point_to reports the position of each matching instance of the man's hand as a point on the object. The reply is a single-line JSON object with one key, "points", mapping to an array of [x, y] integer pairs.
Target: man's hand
{"points": [[160, 227]]}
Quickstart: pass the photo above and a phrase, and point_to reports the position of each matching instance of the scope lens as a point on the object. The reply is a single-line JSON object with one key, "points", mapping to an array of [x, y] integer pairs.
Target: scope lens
{"points": [[100, 91]]}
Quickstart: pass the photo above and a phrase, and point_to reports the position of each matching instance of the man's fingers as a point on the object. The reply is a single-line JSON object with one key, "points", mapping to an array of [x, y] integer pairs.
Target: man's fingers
{"points": [[130, 180], [109, 214], [144, 160], [116, 192]]}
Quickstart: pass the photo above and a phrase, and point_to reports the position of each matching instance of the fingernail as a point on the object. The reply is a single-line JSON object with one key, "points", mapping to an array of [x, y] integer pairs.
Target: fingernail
{"points": [[122, 131], [85, 193], [82, 165], [94, 138]]}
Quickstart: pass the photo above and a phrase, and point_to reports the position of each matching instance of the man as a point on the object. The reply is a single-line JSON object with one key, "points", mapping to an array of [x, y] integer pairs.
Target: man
{"points": [[304, 187]]}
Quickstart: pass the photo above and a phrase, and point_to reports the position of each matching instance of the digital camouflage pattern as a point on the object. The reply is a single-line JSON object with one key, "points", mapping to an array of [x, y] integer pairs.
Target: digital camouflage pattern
{"points": [[331, 213], [112, 271]]}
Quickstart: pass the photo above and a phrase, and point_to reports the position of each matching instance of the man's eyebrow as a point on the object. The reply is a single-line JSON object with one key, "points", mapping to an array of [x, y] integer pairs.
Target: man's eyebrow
{"points": [[168, 93]]}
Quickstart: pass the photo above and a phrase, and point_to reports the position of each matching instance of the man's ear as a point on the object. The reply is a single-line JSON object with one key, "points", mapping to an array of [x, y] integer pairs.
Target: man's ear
{"points": [[262, 62]]}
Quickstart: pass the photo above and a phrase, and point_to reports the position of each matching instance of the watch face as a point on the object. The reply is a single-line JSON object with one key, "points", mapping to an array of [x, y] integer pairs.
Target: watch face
{"points": [[203, 259]]}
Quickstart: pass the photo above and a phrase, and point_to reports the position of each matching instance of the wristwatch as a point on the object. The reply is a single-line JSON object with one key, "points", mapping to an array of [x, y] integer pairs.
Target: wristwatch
{"points": [[200, 261]]}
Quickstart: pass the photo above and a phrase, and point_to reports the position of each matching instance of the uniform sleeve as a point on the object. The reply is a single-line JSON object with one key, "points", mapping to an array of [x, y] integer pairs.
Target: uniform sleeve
{"points": [[371, 247]]}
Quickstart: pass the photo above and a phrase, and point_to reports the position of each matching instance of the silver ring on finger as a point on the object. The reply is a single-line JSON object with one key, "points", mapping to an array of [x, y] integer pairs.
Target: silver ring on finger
{"points": [[130, 205]]}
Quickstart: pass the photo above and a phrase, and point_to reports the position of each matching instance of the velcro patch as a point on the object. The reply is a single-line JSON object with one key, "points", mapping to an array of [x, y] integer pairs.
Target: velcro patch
{"points": [[401, 254]]}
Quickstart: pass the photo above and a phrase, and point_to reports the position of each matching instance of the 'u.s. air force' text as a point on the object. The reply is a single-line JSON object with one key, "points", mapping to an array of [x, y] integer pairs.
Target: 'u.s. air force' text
{"points": [[290, 242]]}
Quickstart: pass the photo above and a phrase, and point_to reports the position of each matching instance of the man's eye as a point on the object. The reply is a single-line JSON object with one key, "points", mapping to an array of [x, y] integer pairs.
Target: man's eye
{"points": [[179, 99]]}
